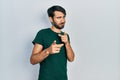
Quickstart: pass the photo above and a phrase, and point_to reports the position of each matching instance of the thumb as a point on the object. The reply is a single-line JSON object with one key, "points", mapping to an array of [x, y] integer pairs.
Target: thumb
{"points": [[54, 42]]}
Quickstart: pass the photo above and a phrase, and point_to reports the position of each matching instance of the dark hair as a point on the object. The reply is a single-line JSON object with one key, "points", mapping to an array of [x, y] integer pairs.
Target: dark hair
{"points": [[52, 9]]}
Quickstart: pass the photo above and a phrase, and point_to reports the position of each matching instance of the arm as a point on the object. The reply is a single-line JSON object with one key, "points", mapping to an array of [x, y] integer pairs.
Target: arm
{"points": [[70, 53], [38, 54]]}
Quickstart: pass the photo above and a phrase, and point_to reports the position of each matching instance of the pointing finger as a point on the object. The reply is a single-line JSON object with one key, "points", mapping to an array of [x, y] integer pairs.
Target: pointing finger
{"points": [[59, 45], [59, 35]]}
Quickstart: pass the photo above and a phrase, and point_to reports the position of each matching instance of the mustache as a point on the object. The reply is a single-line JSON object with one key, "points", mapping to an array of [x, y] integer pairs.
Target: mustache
{"points": [[62, 23]]}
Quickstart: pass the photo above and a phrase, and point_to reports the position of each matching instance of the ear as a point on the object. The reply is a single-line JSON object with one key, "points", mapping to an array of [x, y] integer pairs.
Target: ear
{"points": [[51, 19]]}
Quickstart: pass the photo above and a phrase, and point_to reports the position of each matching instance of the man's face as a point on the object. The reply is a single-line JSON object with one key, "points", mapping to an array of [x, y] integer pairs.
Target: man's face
{"points": [[58, 20]]}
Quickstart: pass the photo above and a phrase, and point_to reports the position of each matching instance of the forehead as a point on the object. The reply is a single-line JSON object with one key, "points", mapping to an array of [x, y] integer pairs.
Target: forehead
{"points": [[58, 13]]}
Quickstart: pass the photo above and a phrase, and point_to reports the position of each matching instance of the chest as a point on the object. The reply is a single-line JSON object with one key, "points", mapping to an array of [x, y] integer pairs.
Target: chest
{"points": [[49, 38]]}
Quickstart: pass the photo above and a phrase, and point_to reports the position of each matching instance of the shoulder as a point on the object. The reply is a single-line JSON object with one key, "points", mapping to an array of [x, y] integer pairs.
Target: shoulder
{"points": [[43, 30]]}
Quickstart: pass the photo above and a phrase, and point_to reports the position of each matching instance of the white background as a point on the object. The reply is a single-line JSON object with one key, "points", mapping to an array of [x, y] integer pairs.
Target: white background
{"points": [[93, 26]]}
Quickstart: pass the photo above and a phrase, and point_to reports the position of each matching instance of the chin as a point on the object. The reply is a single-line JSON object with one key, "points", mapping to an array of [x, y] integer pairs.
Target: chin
{"points": [[61, 27]]}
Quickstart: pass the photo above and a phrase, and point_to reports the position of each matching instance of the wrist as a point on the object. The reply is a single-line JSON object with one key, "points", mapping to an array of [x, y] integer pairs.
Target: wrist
{"points": [[67, 43]]}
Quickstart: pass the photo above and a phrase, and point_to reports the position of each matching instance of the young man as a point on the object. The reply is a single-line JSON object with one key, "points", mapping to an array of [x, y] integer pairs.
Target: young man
{"points": [[52, 47]]}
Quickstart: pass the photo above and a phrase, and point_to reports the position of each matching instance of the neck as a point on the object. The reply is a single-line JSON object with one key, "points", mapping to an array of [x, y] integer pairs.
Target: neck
{"points": [[55, 29]]}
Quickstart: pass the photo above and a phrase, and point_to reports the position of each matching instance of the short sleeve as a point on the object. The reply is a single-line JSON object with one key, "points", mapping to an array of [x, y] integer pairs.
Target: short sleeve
{"points": [[68, 38], [39, 38]]}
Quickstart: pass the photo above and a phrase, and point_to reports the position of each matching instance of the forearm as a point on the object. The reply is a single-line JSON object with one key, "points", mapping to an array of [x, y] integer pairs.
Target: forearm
{"points": [[39, 57], [70, 53]]}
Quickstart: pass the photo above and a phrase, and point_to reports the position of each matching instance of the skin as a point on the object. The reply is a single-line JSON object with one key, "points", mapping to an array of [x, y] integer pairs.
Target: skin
{"points": [[38, 54]]}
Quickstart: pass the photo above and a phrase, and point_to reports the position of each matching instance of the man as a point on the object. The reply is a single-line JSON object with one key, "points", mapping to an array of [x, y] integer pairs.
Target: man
{"points": [[52, 47]]}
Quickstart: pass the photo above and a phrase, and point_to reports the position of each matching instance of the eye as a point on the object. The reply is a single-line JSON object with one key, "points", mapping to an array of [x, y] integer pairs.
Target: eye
{"points": [[58, 17]]}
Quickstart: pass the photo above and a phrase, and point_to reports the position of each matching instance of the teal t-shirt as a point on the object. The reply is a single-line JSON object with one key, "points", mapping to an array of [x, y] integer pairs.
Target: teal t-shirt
{"points": [[54, 67]]}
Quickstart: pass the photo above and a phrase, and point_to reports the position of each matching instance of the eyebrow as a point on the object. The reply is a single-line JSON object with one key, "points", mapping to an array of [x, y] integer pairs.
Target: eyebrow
{"points": [[60, 16]]}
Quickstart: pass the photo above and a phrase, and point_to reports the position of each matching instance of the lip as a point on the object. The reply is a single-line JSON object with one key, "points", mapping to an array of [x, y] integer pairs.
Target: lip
{"points": [[62, 23]]}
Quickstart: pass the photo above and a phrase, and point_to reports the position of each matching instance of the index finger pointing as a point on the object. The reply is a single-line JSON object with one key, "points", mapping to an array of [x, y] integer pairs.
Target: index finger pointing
{"points": [[59, 45]]}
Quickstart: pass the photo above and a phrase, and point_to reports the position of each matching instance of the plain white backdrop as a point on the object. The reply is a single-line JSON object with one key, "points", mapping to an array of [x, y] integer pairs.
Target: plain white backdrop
{"points": [[93, 26]]}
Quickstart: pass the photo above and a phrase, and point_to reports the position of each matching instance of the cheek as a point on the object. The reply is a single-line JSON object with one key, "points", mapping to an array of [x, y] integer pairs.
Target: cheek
{"points": [[58, 22]]}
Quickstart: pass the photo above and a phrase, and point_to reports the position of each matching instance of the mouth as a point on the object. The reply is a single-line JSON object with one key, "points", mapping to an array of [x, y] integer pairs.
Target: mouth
{"points": [[62, 23]]}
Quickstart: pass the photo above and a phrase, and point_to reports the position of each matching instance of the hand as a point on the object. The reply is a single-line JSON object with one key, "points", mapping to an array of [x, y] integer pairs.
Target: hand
{"points": [[54, 48], [64, 38]]}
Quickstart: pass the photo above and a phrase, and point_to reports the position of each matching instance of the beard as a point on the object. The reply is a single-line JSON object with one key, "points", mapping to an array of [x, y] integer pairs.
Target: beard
{"points": [[58, 26]]}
